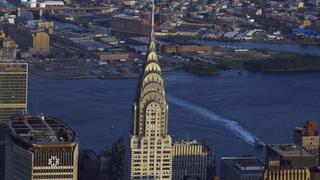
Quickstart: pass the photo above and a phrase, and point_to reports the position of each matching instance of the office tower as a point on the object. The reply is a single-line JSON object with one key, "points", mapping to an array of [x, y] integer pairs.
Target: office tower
{"points": [[241, 168], [41, 147], [287, 162], [118, 160], [13, 99], [191, 159], [308, 137], [289, 155], [13, 89], [89, 165], [150, 143]]}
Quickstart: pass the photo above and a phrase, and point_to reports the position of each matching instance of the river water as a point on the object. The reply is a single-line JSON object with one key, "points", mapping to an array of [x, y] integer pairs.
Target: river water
{"points": [[294, 48], [226, 110]]}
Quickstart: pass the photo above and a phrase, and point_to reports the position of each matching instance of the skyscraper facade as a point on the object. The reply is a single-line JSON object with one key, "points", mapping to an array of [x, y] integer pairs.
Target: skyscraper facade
{"points": [[191, 159], [13, 99], [89, 165], [150, 143], [13, 90], [41, 147]]}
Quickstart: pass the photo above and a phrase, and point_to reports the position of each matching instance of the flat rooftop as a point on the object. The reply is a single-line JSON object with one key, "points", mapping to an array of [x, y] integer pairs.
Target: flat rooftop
{"points": [[289, 150], [41, 130], [244, 163]]}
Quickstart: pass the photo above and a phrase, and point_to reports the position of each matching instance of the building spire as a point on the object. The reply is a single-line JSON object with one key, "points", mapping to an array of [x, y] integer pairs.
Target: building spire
{"points": [[152, 45], [152, 19]]}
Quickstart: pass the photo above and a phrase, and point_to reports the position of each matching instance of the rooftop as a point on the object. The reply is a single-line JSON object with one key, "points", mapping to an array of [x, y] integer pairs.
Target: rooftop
{"points": [[191, 142], [244, 163], [187, 28], [41, 130], [289, 150]]}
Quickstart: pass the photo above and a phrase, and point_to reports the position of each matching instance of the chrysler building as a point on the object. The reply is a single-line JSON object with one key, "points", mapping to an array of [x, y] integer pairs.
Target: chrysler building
{"points": [[150, 143]]}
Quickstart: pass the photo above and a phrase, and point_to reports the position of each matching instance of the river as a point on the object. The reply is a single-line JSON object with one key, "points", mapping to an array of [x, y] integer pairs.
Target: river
{"points": [[294, 48], [225, 110]]}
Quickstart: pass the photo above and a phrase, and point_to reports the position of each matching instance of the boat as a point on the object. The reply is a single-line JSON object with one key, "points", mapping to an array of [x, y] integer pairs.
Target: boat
{"points": [[258, 144]]}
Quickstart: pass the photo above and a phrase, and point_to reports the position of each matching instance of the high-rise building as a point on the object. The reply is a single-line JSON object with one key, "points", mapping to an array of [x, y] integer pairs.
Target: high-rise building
{"points": [[287, 162], [89, 165], [150, 143], [308, 137], [289, 155], [13, 90], [13, 99], [41, 147], [241, 168], [191, 159]]}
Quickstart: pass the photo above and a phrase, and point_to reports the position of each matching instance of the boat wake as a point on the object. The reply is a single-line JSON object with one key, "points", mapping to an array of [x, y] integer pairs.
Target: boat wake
{"points": [[231, 125]]}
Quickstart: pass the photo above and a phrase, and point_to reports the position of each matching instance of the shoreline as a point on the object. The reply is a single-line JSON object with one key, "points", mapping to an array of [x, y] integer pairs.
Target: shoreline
{"points": [[95, 76], [257, 41], [137, 77]]}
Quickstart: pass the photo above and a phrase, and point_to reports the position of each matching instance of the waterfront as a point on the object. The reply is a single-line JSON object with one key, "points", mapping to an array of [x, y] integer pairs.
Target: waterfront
{"points": [[294, 48], [268, 105]]}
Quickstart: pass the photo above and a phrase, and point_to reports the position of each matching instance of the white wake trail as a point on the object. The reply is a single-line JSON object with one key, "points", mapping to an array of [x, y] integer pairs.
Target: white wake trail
{"points": [[231, 125]]}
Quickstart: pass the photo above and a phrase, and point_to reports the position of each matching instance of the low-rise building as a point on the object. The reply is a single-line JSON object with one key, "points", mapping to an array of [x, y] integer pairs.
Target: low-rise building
{"points": [[186, 48], [112, 56], [8, 48], [29, 38], [187, 30], [129, 25]]}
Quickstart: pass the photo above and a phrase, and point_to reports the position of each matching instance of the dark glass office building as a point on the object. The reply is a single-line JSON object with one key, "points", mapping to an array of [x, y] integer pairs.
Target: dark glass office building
{"points": [[13, 99]]}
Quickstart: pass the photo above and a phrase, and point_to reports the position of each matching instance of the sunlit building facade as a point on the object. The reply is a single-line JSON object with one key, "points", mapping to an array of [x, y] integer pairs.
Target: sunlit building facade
{"points": [[41, 148], [150, 143], [191, 159]]}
